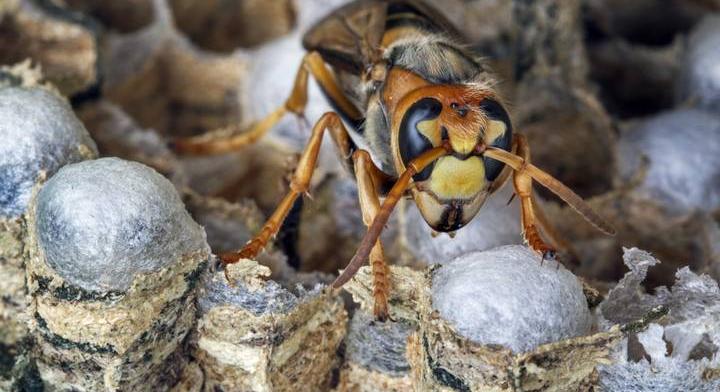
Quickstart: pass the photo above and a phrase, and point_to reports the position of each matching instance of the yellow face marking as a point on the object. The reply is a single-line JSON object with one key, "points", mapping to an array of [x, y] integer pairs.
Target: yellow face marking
{"points": [[495, 129], [429, 129], [463, 144], [455, 179]]}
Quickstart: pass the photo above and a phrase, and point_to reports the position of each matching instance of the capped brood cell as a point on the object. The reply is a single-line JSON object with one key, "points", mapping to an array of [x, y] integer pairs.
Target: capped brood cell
{"points": [[114, 260], [522, 324], [40, 134]]}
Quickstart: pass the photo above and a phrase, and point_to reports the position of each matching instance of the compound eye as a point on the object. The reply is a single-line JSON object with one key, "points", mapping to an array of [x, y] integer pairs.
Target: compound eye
{"points": [[497, 134], [419, 132]]}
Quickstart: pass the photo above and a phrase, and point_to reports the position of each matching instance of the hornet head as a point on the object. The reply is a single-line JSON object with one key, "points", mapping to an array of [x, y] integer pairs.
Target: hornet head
{"points": [[450, 192]]}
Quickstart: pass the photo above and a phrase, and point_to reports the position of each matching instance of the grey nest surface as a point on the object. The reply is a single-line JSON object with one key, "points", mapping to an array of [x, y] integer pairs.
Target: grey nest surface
{"points": [[101, 222], [39, 133], [506, 296]]}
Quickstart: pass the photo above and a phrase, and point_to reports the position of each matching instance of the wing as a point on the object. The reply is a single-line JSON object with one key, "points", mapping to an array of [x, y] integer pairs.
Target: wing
{"points": [[349, 38], [346, 38]]}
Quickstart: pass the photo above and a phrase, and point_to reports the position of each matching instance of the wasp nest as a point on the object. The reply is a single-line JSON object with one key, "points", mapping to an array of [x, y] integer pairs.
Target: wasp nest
{"points": [[618, 100], [114, 260], [376, 355], [233, 24], [41, 134], [679, 351], [65, 46], [653, 152], [154, 75], [117, 134], [258, 336], [699, 81], [493, 320], [556, 106], [119, 16]]}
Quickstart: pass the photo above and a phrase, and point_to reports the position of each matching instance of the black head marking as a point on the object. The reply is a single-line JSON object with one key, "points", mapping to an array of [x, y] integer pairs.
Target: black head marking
{"points": [[494, 111], [412, 143]]}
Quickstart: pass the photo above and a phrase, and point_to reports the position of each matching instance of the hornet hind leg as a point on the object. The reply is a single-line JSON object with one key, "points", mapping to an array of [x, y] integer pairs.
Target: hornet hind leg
{"points": [[229, 139]]}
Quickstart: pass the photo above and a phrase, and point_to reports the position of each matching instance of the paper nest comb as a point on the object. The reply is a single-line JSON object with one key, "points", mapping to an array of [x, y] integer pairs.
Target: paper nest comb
{"points": [[147, 313]]}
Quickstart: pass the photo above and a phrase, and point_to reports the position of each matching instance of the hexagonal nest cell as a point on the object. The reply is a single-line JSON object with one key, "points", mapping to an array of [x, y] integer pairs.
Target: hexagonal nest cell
{"points": [[224, 26]]}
